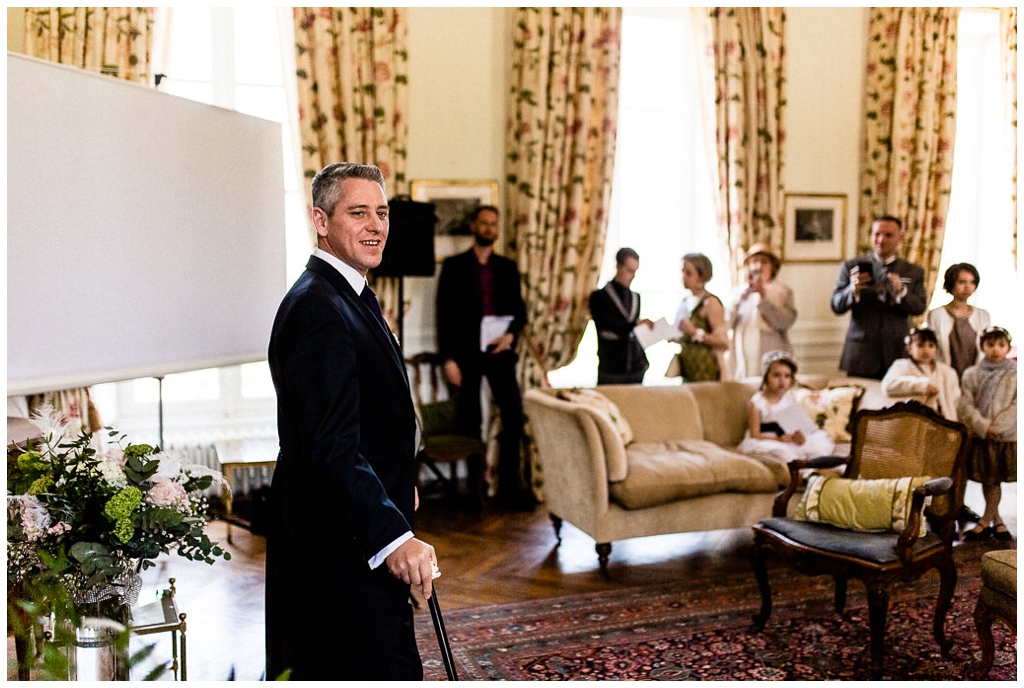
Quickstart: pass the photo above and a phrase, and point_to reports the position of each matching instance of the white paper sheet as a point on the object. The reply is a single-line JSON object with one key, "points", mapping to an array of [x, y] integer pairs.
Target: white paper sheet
{"points": [[652, 335], [793, 418], [492, 327]]}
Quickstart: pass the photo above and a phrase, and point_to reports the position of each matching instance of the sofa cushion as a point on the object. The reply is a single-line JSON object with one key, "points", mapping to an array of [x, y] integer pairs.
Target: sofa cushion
{"points": [[723, 410], [831, 408], [603, 406], [869, 506], [662, 472], [658, 414]]}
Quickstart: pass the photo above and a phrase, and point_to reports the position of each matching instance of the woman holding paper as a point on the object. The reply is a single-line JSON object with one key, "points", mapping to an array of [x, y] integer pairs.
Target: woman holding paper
{"points": [[761, 312], [777, 424], [615, 309]]}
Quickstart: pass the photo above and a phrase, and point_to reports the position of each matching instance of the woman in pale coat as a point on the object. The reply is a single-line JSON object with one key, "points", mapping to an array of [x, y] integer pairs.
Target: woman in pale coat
{"points": [[958, 324], [761, 312]]}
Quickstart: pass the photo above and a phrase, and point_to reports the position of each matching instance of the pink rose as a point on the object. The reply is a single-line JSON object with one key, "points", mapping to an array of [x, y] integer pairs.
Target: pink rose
{"points": [[166, 493]]}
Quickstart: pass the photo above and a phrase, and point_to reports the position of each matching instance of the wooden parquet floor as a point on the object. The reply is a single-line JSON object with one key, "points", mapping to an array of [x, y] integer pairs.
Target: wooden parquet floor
{"points": [[485, 558]]}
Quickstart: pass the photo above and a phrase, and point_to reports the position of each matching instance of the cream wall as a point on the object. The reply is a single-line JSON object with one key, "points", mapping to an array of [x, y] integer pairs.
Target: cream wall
{"points": [[459, 71], [825, 50]]}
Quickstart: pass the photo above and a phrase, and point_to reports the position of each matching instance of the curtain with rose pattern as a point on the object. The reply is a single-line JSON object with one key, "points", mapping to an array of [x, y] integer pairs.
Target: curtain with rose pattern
{"points": [[909, 126], [352, 72], [1008, 51], [116, 41], [560, 153], [743, 66]]}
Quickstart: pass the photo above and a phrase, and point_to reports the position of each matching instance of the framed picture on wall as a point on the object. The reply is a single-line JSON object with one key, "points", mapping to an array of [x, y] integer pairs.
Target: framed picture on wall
{"points": [[454, 200], [815, 228]]}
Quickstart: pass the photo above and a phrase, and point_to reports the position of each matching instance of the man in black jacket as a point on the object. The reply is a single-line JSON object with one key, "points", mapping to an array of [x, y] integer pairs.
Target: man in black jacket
{"points": [[341, 555], [480, 313], [881, 291], [615, 309]]}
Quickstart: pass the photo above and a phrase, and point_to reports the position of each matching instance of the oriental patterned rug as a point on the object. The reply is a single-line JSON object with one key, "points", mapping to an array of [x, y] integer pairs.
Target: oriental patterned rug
{"points": [[702, 629]]}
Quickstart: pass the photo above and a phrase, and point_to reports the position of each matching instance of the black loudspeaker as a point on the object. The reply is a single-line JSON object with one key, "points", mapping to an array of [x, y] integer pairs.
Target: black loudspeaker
{"points": [[410, 247]]}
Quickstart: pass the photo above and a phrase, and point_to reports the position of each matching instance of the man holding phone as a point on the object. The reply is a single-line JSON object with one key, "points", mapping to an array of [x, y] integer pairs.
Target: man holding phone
{"points": [[881, 291]]}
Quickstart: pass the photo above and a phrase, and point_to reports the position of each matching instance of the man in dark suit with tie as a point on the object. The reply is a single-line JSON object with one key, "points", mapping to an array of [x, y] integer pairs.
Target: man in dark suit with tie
{"points": [[341, 555], [480, 313], [881, 291]]}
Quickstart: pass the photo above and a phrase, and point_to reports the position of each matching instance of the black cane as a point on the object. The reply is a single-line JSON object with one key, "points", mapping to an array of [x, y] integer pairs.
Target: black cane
{"points": [[442, 637]]}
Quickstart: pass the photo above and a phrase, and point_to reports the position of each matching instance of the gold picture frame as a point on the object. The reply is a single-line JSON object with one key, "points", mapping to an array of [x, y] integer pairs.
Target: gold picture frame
{"points": [[815, 228], [454, 200]]}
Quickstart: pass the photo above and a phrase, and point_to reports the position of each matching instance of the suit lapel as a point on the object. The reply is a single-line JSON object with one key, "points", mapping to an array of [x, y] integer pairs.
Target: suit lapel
{"points": [[356, 304]]}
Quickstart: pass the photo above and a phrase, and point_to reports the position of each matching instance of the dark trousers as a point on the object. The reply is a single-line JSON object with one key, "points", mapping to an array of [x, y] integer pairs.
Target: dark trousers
{"points": [[500, 371]]}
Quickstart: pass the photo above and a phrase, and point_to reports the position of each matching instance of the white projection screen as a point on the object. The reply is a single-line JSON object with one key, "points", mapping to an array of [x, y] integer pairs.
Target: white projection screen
{"points": [[145, 232]]}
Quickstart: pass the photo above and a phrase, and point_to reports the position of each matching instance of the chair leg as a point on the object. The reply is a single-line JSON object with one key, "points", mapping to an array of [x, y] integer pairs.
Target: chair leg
{"points": [[947, 585], [983, 618], [840, 597], [758, 557], [878, 613], [603, 550], [556, 522]]}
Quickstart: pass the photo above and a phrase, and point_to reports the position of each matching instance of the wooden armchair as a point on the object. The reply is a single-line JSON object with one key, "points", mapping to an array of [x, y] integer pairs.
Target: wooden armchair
{"points": [[904, 440], [442, 443]]}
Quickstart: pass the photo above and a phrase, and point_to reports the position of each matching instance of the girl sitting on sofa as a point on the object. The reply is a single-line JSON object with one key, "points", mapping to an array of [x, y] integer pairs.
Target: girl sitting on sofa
{"points": [[777, 423]]}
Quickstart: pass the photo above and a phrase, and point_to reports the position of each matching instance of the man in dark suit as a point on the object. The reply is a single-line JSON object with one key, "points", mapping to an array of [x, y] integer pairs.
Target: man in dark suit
{"points": [[615, 309], [480, 313], [881, 291], [341, 556]]}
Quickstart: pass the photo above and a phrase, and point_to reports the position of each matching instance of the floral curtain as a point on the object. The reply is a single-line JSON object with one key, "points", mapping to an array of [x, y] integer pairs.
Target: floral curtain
{"points": [[352, 72], [743, 65], [1008, 50], [560, 153], [909, 126], [111, 40]]}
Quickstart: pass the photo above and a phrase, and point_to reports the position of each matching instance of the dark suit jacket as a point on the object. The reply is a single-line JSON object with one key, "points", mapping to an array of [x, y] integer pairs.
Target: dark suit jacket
{"points": [[343, 488], [460, 308], [618, 351], [878, 324]]}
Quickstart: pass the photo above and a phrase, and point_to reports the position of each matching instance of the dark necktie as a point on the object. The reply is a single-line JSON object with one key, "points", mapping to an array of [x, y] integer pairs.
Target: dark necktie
{"points": [[370, 299]]}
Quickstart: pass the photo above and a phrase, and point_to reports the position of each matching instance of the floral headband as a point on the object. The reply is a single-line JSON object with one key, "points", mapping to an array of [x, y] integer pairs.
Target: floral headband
{"points": [[775, 357], [994, 332], [924, 333]]}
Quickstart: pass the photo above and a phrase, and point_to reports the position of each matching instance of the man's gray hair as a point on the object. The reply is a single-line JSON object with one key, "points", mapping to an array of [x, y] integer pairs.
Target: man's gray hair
{"points": [[327, 182]]}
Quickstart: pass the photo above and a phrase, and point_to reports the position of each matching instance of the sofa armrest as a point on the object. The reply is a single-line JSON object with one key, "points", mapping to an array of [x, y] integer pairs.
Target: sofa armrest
{"points": [[572, 454]]}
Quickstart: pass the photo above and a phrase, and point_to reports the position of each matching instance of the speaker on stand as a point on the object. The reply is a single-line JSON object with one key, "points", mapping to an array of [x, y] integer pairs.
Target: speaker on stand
{"points": [[409, 250]]}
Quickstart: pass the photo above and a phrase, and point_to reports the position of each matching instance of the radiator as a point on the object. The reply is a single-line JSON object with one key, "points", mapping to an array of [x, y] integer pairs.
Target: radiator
{"points": [[244, 480]]}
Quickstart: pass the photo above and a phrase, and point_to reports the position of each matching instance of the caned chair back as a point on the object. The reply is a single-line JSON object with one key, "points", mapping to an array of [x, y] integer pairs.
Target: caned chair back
{"points": [[908, 440]]}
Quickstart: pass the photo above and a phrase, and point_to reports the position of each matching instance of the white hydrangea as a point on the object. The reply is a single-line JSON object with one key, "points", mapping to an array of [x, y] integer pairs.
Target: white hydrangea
{"points": [[112, 473]]}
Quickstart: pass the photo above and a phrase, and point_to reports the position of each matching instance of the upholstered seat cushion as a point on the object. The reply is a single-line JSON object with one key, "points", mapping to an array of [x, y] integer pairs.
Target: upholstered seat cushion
{"points": [[879, 548], [662, 472], [999, 571]]}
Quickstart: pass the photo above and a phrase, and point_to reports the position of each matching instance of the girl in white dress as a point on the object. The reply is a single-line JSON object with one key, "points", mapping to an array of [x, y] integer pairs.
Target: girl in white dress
{"points": [[777, 423]]}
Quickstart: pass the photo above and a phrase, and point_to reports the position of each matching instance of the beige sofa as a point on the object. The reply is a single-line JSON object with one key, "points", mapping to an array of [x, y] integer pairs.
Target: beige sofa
{"points": [[679, 473]]}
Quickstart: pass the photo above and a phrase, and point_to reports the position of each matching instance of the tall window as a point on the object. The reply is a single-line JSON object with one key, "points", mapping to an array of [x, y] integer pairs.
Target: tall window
{"points": [[231, 58], [661, 197], [980, 221]]}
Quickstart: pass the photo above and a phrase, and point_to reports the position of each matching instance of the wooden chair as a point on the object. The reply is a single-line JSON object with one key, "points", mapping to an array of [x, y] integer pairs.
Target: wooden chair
{"points": [[904, 440], [442, 442]]}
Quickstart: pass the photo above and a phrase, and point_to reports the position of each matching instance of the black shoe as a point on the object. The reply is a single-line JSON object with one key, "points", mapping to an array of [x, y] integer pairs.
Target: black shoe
{"points": [[1001, 533], [968, 515], [515, 501], [977, 534]]}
